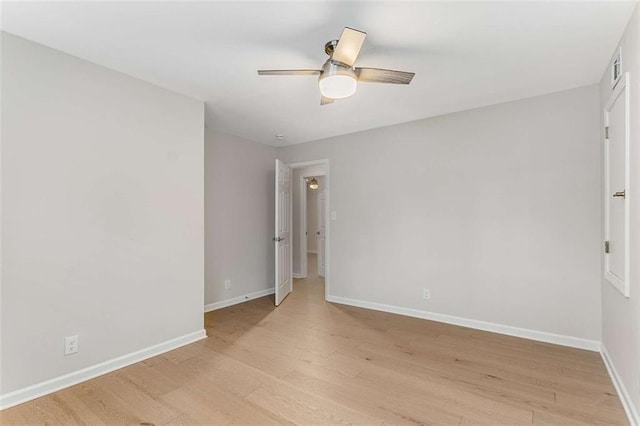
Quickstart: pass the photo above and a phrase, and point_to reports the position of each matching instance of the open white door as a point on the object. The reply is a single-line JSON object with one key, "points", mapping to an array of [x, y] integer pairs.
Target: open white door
{"points": [[282, 240], [322, 202], [616, 191]]}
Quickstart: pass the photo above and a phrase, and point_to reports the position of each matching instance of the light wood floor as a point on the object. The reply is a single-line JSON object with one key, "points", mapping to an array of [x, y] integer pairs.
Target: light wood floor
{"points": [[311, 362]]}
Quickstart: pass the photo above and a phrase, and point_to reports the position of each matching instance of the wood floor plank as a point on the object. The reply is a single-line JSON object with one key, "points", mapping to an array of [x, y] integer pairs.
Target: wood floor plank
{"points": [[605, 406], [303, 408], [210, 405], [312, 362], [104, 403], [447, 392], [386, 403]]}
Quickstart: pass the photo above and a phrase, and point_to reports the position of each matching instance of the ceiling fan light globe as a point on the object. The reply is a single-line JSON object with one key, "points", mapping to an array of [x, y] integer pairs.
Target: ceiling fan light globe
{"points": [[338, 86], [337, 80]]}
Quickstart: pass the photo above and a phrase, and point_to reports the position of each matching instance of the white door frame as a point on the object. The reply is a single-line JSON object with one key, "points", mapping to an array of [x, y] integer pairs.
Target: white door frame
{"points": [[303, 220]]}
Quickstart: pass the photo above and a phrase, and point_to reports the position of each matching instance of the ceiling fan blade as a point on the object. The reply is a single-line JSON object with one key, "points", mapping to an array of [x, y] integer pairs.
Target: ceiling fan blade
{"points": [[349, 46], [324, 100], [289, 72], [379, 75]]}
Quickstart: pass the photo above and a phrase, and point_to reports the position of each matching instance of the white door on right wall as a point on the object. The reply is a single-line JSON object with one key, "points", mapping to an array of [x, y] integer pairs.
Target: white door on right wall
{"points": [[616, 187], [322, 202]]}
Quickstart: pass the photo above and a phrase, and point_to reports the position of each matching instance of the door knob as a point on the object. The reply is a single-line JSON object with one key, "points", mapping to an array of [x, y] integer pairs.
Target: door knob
{"points": [[317, 232], [619, 194]]}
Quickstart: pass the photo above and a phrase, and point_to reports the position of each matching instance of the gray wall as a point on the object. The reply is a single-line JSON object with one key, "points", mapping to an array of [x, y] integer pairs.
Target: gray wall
{"points": [[496, 210], [621, 316], [102, 213], [239, 216]]}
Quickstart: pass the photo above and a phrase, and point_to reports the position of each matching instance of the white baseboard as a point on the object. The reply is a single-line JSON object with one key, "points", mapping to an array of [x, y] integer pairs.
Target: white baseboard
{"points": [[235, 300], [558, 339], [296, 276], [312, 251], [625, 399], [49, 386]]}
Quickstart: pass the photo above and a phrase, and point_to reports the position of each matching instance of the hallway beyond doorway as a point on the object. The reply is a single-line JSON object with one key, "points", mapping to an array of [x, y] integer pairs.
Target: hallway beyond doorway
{"points": [[313, 284]]}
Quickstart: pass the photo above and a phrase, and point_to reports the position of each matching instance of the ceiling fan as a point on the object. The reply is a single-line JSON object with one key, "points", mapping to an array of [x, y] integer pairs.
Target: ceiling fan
{"points": [[338, 77]]}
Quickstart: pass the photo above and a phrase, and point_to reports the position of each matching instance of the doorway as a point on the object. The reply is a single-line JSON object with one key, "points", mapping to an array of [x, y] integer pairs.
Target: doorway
{"points": [[315, 229], [309, 209]]}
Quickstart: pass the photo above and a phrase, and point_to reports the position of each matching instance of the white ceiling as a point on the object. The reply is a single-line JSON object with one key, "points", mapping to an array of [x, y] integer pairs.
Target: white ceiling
{"points": [[464, 54]]}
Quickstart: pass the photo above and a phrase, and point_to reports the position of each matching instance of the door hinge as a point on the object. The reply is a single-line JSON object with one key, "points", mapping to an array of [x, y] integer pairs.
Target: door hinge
{"points": [[606, 247], [606, 132]]}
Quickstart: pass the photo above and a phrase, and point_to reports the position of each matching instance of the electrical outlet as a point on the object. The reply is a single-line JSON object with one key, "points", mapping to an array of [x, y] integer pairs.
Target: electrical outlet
{"points": [[426, 294], [70, 345], [227, 284]]}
